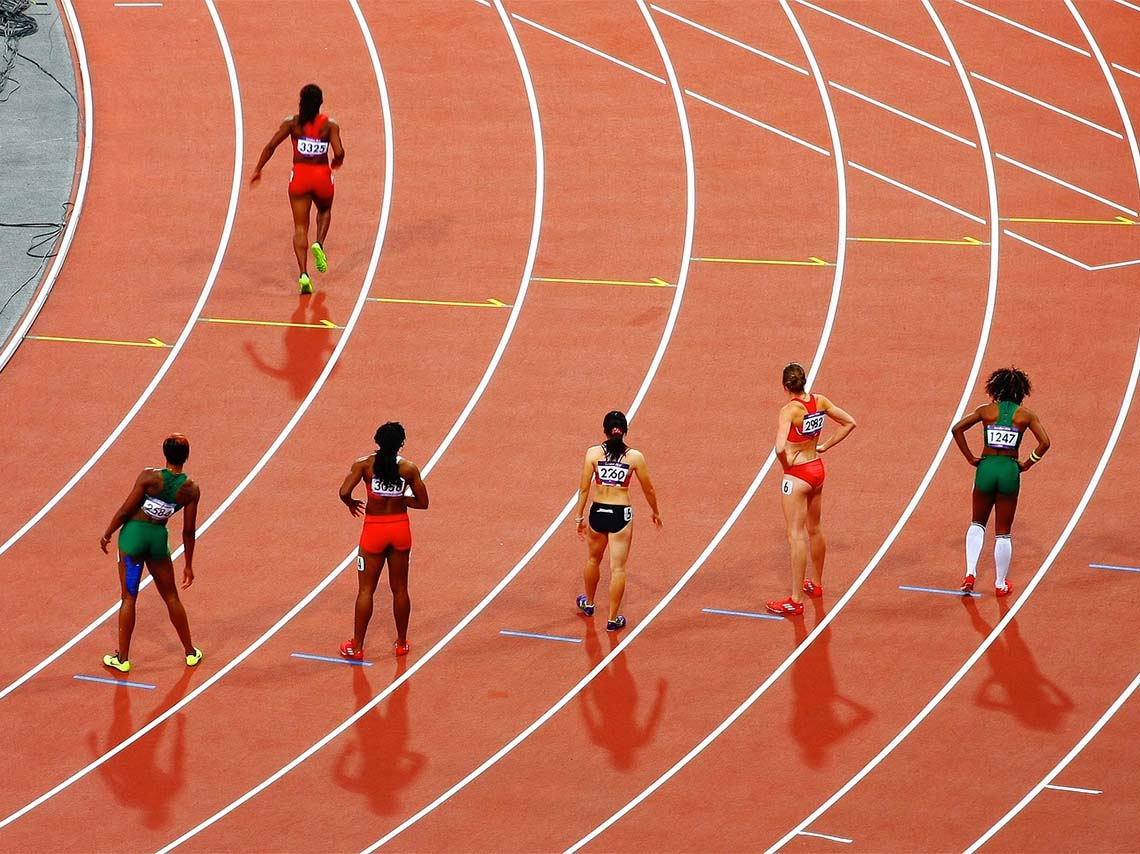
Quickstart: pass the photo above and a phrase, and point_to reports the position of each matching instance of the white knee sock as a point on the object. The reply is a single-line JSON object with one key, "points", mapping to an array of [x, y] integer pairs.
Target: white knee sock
{"points": [[1003, 552], [975, 537]]}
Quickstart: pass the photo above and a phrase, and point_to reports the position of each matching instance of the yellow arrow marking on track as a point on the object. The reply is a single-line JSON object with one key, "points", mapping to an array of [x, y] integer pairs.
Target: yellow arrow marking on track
{"points": [[1120, 220], [489, 303], [150, 342], [653, 282], [965, 241], [322, 324], [811, 262]]}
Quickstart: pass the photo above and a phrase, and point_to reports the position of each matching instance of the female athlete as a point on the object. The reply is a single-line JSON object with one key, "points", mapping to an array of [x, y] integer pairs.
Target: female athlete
{"points": [[311, 181], [610, 466], [798, 448], [997, 480], [387, 536], [156, 496]]}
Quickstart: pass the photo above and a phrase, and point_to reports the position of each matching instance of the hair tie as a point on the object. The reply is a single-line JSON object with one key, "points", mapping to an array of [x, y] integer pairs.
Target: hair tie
{"points": [[616, 431]]}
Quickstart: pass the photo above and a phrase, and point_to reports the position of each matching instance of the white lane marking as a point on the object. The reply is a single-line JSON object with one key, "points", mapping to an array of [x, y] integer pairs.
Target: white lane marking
{"points": [[918, 193], [1087, 267], [1024, 28], [1054, 179], [732, 41], [1128, 5], [1094, 482], [375, 260], [588, 49], [758, 123], [842, 839], [906, 116], [967, 390], [1126, 70], [864, 28], [1046, 105], [1079, 791], [139, 5], [80, 192]]}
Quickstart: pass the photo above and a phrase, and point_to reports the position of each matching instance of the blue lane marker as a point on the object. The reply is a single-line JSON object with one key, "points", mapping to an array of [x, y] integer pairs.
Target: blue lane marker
{"points": [[539, 637], [742, 614], [108, 681], [331, 659], [1114, 566], [938, 590]]}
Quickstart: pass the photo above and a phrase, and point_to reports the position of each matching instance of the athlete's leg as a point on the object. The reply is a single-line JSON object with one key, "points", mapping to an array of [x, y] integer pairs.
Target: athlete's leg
{"points": [[126, 609], [595, 548], [401, 602], [794, 499], [162, 571], [324, 218], [619, 554], [981, 505], [301, 205], [816, 539], [1003, 543], [368, 566]]}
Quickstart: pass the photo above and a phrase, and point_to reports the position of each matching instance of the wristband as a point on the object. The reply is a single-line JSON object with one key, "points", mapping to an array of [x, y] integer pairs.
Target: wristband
{"points": [[580, 519], [1033, 456]]}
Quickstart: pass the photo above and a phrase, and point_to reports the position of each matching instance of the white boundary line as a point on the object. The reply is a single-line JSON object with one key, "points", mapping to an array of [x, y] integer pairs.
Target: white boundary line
{"points": [[915, 192], [967, 390], [1024, 28], [723, 37], [1123, 412], [1066, 184], [1126, 4], [1087, 267], [906, 116], [1094, 482], [758, 123], [375, 260], [1018, 94], [587, 48], [841, 839], [1075, 789], [864, 28], [1126, 70], [80, 193]]}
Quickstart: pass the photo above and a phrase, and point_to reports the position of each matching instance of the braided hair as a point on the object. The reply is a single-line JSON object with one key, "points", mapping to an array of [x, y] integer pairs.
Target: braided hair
{"points": [[615, 427], [1008, 384], [795, 379], [311, 99], [389, 439]]}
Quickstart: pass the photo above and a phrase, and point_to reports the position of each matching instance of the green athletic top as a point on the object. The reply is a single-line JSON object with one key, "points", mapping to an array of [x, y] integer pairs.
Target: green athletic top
{"points": [[1002, 435], [159, 508]]}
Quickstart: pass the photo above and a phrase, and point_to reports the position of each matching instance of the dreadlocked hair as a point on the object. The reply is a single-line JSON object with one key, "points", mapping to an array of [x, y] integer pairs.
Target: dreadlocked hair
{"points": [[389, 439], [615, 427], [1008, 384], [311, 99], [794, 377]]}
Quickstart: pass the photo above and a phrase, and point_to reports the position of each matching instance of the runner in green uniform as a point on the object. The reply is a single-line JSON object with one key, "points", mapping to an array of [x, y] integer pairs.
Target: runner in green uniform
{"points": [[156, 496], [998, 477]]}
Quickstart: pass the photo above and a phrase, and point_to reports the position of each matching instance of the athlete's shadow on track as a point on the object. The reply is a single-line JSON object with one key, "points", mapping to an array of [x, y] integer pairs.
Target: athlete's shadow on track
{"points": [[377, 762], [1015, 685], [306, 348], [609, 706], [135, 777], [821, 716]]}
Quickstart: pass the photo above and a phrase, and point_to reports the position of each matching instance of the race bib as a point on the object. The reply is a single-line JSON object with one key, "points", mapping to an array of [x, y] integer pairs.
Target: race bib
{"points": [[813, 424], [389, 490], [156, 508], [1004, 438], [312, 147], [612, 474]]}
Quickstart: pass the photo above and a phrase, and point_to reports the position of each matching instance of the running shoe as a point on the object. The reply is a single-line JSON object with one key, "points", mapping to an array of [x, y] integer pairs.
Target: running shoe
{"points": [[1003, 591], [584, 607], [349, 651], [193, 658], [402, 648], [113, 661], [786, 608], [812, 589], [306, 285], [319, 257], [968, 584], [615, 625]]}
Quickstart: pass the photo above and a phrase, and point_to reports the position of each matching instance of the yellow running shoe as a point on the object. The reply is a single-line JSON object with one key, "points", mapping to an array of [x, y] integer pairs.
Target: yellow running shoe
{"points": [[305, 283], [113, 661], [319, 256], [193, 658]]}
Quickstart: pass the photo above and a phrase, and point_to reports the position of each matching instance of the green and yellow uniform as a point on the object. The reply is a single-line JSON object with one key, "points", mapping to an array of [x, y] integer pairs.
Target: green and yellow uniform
{"points": [[998, 472], [143, 539]]}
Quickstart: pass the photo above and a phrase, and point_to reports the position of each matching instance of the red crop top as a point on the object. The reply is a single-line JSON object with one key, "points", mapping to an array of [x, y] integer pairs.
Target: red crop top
{"points": [[309, 143], [812, 424]]}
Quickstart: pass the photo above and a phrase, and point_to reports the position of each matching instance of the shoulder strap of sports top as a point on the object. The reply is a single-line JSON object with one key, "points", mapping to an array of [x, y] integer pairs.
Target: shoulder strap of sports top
{"points": [[1006, 408], [171, 483]]}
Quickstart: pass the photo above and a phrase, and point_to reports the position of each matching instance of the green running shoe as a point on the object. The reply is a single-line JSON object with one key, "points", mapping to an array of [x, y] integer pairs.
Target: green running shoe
{"points": [[305, 283], [193, 658], [319, 256], [113, 661]]}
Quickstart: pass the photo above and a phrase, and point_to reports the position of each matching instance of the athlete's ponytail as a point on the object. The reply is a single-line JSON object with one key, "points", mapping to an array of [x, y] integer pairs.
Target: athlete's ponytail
{"points": [[389, 439], [615, 427], [311, 99], [795, 380]]}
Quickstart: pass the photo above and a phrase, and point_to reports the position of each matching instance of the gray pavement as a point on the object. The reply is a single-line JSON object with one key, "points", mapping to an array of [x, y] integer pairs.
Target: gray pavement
{"points": [[39, 127]]}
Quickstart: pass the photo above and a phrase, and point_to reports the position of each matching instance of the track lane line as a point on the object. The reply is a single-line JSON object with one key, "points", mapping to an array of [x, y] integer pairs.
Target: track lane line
{"points": [[1024, 28], [1055, 180], [901, 114], [1045, 105], [915, 192], [781, 62], [1093, 483], [967, 390], [864, 28], [588, 49], [758, 123]]}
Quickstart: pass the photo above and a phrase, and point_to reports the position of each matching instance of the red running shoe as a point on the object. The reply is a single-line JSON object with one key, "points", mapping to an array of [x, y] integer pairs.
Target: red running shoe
{"points": [[786, 608], [968, 584], [348, 651], [812, 589], [402, 648], [1003, 591]]}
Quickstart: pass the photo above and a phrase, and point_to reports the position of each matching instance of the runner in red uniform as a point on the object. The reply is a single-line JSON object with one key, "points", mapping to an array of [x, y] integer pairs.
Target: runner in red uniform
{"points": [[311, 181], [798, 449], [388, 480]]}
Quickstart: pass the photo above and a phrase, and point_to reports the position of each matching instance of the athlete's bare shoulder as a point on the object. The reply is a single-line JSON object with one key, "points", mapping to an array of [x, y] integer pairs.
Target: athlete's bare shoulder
{"points": [[595, 453], [407, 468], [634, 456], [1024, 415], [188, 492]]}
